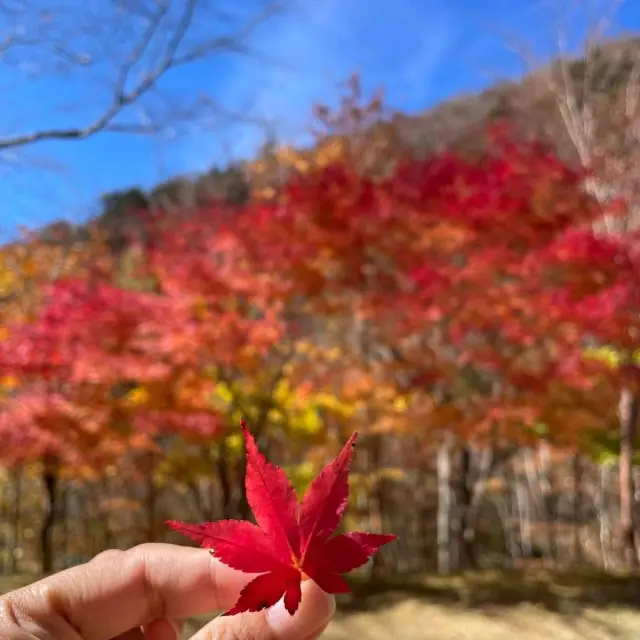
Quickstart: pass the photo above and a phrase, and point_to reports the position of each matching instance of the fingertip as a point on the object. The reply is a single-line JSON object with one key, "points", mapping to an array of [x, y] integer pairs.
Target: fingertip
{"points": [[314, 613]]}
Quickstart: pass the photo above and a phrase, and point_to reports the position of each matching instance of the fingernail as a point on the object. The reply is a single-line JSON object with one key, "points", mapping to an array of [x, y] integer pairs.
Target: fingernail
{"points": [[314, 612]]}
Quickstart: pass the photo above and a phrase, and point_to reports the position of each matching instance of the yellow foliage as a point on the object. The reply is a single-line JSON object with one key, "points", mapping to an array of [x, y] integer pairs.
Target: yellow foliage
{"points": [[7, 282], [609, 356], [137, 397], [301, 476], [333, 354], [234, 443], [283, 394], [303, 347], [400, 404], [222, 394], [330, 152], [308, 421], [275, 416], [331, 403], [301, 410], [9, 382], [267, 193]]}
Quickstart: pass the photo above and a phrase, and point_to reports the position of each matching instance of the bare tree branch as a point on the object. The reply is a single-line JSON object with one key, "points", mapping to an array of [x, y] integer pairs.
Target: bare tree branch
{"points": [[599, 107], [126, 91]]}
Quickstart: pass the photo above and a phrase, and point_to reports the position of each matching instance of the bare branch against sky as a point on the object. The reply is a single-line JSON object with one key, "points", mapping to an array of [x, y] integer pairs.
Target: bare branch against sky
{"points": [[128, 47], [600, 105]]}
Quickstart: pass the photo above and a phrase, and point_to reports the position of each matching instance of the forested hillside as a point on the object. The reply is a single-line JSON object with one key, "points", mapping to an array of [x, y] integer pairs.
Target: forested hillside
{"points": [[533, 106]]}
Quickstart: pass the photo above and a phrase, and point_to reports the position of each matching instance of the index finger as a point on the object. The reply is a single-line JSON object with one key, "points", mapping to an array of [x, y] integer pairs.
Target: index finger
{"points": [[121, 590]]}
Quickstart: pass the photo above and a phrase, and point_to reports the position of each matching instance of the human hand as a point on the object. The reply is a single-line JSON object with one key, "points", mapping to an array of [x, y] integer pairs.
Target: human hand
{"points": [[146, 593]]}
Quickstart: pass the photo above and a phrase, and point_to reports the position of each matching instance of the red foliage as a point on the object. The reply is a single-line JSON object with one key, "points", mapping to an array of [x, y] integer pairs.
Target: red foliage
{"points": [[489, 264], [482, 271], [291, 541], [598, 285], [89, 338]]}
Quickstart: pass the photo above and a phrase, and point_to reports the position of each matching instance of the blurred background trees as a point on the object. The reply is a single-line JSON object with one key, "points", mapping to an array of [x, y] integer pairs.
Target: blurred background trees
{"points": [[461, 285]]}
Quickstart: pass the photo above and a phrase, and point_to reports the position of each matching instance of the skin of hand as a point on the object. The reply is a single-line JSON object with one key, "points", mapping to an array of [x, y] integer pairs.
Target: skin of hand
{"points": [[146, 593]]}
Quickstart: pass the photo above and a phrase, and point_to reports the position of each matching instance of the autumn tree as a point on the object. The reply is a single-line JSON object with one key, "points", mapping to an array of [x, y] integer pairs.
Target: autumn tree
{"points": [[600, 276], [241, 337], [597, 99], [33, 366], [409, 270]]}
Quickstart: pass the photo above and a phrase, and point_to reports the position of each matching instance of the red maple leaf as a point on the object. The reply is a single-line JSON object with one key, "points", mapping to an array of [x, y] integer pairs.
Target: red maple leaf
{"points": [[292, 541]]}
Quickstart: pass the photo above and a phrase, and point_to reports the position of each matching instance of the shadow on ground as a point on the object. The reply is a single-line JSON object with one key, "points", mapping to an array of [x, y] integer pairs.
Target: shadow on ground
{"points": [[557, 591], [530, 605]]}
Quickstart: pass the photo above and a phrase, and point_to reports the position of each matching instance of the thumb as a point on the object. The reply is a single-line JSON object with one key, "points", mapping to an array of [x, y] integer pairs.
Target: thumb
{"points": [[310, 620]]}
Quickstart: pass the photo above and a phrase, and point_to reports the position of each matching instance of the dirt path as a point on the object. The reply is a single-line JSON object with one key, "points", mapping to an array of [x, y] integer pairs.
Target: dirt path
{"points": [[416, 620]]}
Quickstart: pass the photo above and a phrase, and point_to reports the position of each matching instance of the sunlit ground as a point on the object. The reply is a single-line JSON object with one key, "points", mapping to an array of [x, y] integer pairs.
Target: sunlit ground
{"points": [[415, 619]]}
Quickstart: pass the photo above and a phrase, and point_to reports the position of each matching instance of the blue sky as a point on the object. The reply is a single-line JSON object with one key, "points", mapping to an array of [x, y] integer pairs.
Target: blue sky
{"points": [[420, 51]]}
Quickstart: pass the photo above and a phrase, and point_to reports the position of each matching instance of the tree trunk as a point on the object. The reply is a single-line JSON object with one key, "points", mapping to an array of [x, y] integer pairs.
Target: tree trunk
{"points": [[445, 503], [378, 503], [504, 506], [628, 410], [151, 501], [512, 512], [50, 482], [241, 507], [547, 499], [15, 520], [105, 514], [604, 517], [5, 541], [523, 509], [576, 508], [467, 528], [538, 489], [63, 521], [226, 492]]}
